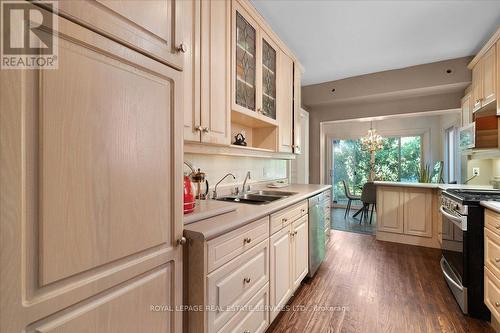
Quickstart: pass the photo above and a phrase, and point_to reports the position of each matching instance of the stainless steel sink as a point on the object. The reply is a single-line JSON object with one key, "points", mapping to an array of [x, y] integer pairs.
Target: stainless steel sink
{"points": [[257, 197]]}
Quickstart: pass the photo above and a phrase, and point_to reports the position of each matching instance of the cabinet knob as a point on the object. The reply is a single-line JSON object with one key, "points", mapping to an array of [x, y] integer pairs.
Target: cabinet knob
{"points": [[246, 331], [497, 259], [198, 128], [497, 226], [182, 48], [295, 233], [182, 240], [205, 129], [246, 280], [497, 304], [283, 220], [247, 240]]}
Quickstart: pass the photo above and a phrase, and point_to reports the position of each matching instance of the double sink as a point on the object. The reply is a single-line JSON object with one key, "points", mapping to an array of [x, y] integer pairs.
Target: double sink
{"points": [[261, 197]]}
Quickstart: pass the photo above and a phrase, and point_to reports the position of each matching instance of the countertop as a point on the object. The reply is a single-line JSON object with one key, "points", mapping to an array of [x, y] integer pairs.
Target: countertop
{"points": [[493, 205], [434, 185], [244, 213]]}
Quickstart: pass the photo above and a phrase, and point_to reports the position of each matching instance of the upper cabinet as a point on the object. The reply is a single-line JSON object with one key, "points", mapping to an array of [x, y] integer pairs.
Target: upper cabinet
{"points": [[155, 29], [484, 77], [466, 105], [297, 105], [240, 79], [206, 72]]}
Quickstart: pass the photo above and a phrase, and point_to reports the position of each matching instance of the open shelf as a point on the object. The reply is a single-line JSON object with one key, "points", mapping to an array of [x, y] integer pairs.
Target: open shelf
{"points": [[252, 119]]}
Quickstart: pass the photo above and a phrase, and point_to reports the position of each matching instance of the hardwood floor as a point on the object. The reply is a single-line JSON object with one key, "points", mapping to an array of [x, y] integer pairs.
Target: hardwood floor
{"points": [[365, 285]]}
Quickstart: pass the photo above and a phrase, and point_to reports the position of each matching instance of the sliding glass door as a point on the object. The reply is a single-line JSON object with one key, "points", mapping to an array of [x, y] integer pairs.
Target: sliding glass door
{"points": [[400, 159]]}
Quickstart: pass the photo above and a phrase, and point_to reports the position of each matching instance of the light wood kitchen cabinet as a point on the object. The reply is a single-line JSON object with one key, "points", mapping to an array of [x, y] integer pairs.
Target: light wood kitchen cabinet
{"points": [[300, 237], [281, 270], [492, 264], [417, 210], [206, 31], [466, 105], [409, 215], [154, 30], [88, 239], [484, 77], [289, 262], [285, 102], [297, 105], [390, 209]]}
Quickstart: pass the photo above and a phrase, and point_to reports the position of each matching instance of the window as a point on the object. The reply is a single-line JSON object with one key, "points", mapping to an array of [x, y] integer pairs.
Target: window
{"points": [[451, 155], [399, 160]]}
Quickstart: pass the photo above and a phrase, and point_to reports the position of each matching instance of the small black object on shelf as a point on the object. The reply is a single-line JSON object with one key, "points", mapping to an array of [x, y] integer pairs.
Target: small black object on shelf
{"points": [[239, 140]]}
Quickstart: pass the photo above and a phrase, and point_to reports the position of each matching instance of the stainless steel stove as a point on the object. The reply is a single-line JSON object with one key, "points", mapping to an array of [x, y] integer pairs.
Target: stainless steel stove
{"points": [[463, 246]]}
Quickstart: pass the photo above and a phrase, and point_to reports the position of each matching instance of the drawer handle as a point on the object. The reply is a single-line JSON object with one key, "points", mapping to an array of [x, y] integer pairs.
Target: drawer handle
{"points": [[497, 304], [284, 220], [246, 280], [246, 331], [247, 240], [295, 233]]}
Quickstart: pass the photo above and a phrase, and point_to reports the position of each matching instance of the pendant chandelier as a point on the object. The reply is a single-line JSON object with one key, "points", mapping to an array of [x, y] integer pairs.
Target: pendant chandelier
{"points": [[372, 141]]}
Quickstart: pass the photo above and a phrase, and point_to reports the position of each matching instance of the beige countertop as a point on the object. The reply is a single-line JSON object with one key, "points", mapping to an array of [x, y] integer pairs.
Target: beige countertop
{"points": [[212, 227], [433, 185], [493, 205]]}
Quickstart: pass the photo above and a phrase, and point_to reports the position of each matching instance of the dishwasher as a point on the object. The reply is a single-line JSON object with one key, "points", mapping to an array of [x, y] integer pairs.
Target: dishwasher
{"points": [[316, 232]]}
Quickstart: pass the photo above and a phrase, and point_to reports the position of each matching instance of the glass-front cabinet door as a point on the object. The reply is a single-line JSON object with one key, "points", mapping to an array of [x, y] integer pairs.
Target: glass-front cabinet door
{"points": [[268, 79], [255, 61], [246, 46]]}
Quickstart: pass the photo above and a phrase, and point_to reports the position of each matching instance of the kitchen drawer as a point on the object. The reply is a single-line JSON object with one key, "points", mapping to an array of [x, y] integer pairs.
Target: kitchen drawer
{"points": [[234, 284], [254, 317], [224, 248], [492, 251], [492, 293], [287, 215], [492, 221]]}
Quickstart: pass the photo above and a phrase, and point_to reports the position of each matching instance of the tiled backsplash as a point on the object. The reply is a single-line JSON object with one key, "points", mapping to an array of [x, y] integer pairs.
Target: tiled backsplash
{"points": [[216, 167]]}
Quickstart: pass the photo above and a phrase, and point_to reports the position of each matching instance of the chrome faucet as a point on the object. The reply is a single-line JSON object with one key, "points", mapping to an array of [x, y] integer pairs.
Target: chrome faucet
{"points": [[243, 188], [214, 195]]}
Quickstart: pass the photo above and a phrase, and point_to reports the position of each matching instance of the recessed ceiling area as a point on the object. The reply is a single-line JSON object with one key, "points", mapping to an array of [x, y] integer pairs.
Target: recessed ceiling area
{"points": [[339, 39]]}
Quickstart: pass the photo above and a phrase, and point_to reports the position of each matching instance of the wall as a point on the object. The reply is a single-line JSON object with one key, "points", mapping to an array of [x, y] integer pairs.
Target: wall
{"points": [[216, 167], [430, 127], [488, 169], [410, 90]]}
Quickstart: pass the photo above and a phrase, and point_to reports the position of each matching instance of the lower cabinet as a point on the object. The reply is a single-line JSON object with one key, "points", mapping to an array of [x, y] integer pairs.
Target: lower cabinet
{"points": [[289, 262], [239, 281], [492, 264], [408, 215]]}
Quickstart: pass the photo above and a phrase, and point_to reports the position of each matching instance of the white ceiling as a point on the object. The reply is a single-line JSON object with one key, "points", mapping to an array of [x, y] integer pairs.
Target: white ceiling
{"points": [[339, 39]]}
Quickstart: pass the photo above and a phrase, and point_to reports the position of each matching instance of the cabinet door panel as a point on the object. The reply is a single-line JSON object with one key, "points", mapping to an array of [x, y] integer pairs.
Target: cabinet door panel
{"points": [[127, 309], [91, 180], [215, 68], [285, 102], [477, 85], [418, 212], [152, 27], [269, 76], [297, 105], [489, 76], [280, 273], [466, 110], [300, 250], [390, 209], [191, 73], [244, 54]]}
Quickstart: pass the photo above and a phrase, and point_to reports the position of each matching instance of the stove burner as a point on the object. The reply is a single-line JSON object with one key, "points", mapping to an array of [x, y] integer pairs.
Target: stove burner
{"points": [[475, 195]]}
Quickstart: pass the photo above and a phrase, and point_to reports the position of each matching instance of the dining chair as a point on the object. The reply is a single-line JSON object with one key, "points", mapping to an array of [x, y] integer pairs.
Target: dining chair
{"points": [[350, 197], [368, 197]]}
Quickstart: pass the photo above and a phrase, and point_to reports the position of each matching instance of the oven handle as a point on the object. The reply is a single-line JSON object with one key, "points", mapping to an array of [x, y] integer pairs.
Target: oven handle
{"points": [[456, 220], [447, 276]]}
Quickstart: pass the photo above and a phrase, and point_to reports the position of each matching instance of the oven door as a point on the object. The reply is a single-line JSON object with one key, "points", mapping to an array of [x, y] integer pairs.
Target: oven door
{"points": [[452, 263]]}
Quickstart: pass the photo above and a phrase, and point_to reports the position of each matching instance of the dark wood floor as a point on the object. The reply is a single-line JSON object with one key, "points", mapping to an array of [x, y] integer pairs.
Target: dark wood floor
{"points": [[366, 285]]}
